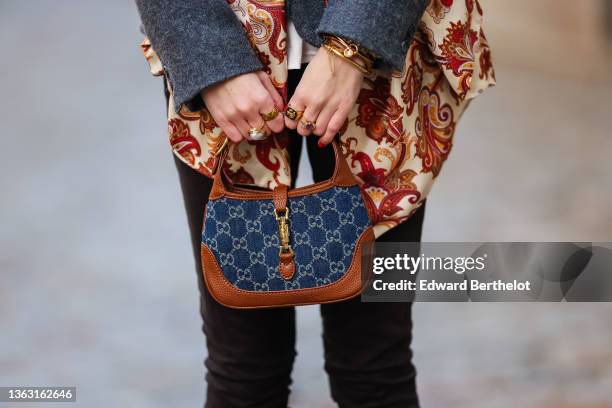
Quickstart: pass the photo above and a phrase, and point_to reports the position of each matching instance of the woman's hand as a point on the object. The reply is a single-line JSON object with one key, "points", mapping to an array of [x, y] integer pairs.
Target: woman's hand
{"points": [[237, 104], [325, 96]]}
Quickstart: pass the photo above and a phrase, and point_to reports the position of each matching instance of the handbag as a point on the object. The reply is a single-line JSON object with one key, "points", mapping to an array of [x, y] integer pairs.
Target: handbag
{"points": [[285, 247]]}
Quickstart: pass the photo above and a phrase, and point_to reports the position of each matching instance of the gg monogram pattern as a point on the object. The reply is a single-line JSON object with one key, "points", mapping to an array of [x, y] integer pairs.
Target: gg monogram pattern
{"points": [[401, 129], [324, 230]]}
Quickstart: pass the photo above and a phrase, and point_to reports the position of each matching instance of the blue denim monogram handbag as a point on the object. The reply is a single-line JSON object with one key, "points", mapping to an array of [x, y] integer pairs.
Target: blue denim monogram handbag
{"points": [[282, 247]]}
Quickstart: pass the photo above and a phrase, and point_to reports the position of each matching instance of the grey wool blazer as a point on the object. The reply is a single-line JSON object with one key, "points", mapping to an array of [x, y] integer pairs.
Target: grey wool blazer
{"points": [[201, 42]]}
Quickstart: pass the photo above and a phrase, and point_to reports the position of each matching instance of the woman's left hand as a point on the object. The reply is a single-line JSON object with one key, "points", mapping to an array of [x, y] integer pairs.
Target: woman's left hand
{"points": [[326, 97]]}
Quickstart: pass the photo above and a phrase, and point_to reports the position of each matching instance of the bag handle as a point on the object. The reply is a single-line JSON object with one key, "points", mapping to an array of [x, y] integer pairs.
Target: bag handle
{"points": [[342, 175]]}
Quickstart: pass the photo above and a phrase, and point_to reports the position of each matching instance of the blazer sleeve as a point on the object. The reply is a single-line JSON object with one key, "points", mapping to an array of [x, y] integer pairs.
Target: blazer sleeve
{"points": [[385, 27], [199, 42]]}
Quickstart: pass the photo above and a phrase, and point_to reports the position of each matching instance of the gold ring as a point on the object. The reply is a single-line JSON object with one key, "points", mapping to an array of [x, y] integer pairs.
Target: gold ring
{"points": [[257, 133], [308, 124], [270, 115], [293, 114]]}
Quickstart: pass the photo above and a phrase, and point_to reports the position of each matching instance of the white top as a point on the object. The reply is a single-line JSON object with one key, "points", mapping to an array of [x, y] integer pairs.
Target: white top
{"points": [[299, 52]]}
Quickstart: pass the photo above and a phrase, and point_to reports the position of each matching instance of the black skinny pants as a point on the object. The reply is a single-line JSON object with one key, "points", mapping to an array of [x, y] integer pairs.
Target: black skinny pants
{"points": [[251, 352]]}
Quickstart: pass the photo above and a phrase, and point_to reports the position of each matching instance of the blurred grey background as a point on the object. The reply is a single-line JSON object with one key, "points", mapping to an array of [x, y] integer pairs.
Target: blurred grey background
{"points": [[98, 287]]}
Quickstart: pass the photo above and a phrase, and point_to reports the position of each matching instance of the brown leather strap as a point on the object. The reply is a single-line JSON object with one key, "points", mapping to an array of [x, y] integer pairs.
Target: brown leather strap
{"points": [[279, 196], [343, 176], [342, 173], [221, 154], [218, 188], [286, 266]]}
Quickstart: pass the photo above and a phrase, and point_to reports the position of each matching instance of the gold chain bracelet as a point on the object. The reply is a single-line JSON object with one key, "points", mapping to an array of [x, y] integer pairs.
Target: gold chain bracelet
{"points": [[361, 68], [350, 52]]}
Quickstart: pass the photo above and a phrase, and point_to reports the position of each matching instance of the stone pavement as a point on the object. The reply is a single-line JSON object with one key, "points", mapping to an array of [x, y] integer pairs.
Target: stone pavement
{"points": [[97, 283]]}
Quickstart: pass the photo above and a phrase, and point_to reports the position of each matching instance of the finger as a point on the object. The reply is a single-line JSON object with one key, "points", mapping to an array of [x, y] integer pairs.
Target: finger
{"points": [[251, 111], [258, 124], [277, 124], [298, 104], [310, 115], [334, 126], [291, 123], [222, 119], [231, 132], [324, 117], [267, 83]]}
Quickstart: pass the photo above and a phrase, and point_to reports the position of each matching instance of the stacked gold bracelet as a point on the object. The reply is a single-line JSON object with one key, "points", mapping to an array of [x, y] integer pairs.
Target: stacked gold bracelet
{"points": [[350, 52]]}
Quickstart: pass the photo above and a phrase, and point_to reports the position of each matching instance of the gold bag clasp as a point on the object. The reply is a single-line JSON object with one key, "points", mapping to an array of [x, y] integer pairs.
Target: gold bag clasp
{"points": [[282, 216]]}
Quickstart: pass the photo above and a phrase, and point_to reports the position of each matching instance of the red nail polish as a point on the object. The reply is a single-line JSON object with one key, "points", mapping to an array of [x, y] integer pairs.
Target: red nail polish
{"points": [[320, 144]]}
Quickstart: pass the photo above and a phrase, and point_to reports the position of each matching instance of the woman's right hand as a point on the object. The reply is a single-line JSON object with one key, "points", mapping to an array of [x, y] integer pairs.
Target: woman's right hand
{"points": [[237, 104]]}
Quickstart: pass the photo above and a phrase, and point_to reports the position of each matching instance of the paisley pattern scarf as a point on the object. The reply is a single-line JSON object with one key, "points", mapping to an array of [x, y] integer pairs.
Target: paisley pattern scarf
{"points": [[400, 131]]}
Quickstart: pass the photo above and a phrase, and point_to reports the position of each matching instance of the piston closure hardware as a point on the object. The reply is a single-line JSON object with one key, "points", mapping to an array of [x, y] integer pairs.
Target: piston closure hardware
{"points": [[282, 216]]}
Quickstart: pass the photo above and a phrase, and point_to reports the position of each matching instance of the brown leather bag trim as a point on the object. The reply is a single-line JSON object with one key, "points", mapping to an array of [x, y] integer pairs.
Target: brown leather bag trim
{"points": [[217, 190], [227, 294], [279, 196], [371, 215], [342, 177], [286, 266]]}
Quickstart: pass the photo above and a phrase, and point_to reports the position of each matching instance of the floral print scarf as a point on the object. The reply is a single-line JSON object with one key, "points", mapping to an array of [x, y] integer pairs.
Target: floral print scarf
{"points": [[400, 131]]}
